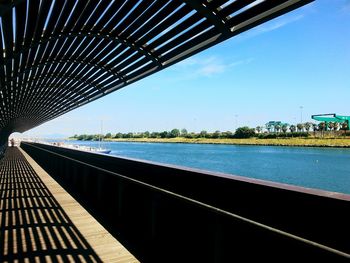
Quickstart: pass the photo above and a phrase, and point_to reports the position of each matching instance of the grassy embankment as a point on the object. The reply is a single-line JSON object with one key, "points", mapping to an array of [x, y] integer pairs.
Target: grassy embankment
{"points": [[309, 142]]}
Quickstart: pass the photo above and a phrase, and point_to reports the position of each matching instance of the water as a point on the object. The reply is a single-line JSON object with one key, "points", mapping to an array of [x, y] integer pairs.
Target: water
{"points": [[321, 168]]}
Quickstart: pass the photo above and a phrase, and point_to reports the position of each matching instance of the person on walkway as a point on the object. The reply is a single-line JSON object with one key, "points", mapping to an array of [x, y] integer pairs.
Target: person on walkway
{"points": [[12, 142]]}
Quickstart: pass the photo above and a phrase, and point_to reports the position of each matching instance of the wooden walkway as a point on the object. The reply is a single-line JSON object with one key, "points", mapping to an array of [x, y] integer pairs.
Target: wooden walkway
{"points": [[41, 222]]}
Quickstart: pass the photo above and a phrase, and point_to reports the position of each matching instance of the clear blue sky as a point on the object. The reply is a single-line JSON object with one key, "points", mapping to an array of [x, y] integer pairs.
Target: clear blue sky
{"points": [[267, 73]]}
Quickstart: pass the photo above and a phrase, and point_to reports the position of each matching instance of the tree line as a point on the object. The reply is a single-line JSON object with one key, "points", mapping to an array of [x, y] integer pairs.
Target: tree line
{"points": [[242, 132], [267, 131], [301, 127]]}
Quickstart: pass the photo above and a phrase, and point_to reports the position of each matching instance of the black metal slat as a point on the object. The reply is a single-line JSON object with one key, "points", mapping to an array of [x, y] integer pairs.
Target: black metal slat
{"points": [[153, 26], [255, 11], [175, 31], [8, 34], [20, 24], [137, 23], [66, 77], [133, 16], [116, 5], [49, 78], [33, 9], [138, 64], [234, 7], [9, 45], [48, 75], [125, 59], [183, 38], [67, 48], [64, 93], [103, 4], [74, 14], [94, 46], [84, 15], [122, 12], [42, 16], [30, 91], [2, 72], [217, 3], [55, 12], [105, 45], [62, 14]]}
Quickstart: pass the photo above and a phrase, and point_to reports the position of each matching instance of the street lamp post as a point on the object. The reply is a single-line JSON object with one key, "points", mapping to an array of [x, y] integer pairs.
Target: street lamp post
{"points": [[236, 121]]}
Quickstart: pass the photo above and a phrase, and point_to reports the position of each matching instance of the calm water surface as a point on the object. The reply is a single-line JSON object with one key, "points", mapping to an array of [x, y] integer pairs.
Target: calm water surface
{"points": [[322, 168]]}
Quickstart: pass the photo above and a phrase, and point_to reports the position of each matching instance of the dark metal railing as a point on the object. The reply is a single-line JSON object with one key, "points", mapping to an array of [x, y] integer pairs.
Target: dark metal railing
{"points": [[167, 214]]}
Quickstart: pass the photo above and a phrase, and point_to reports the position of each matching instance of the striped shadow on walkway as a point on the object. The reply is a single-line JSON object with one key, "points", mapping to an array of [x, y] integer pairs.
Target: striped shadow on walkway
{"points": [[40, 222]]}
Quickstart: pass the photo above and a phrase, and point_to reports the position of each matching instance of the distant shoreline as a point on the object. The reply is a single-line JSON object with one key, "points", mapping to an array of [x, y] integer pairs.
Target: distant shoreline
{"points": [[295, 142]]}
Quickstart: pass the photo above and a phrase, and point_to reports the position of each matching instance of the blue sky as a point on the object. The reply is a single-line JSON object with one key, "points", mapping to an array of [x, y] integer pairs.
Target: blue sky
{"points": [[267, 73]]}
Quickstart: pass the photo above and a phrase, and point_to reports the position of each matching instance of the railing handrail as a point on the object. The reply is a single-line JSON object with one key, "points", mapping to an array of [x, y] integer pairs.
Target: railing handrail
{"points": [[201, 204]]}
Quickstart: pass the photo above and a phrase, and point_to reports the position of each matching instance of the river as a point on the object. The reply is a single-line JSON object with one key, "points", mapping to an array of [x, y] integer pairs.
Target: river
{"points": [[320, 168]]}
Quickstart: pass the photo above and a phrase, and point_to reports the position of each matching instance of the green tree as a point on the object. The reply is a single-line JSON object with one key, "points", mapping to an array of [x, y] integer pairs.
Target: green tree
{"points": [[146, 134], [119, 135], [154, 135], [331, 126], [90, 137], [244, 132], [292, 128], [184, 132], [216, 134], [300, 127], [277, 127], [284, 128], [174, 133], [307, 126], [268, 128], [345, 127], [227, 134], [336, 126], [314, 128], [203, 134], [163, 134], [108, 136], [321, 127], [191, 135]]}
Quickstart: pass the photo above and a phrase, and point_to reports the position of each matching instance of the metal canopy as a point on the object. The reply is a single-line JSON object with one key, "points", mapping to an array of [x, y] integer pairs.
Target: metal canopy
{"points": [[60, 54]]}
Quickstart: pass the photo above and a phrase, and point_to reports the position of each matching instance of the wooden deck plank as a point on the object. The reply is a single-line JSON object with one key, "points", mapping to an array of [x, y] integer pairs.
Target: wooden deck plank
{"points": [[39, 220]]}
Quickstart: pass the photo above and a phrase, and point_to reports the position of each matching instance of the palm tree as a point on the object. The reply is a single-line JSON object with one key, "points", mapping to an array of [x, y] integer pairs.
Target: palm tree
{"points": [[292, 128], [321, 127], [277, 128], [268, 128], [331, 125], [344, 127], [336, 127], [314, 128], [307, 126], [300, 127], [284, 128]]}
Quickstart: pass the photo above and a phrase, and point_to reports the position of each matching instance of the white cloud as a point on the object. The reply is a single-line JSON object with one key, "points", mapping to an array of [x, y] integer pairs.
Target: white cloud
{"points": [[241, 62], [210, 66], [277, 24], [270, 26], [213, 65], [211, 69], [206, 66]]}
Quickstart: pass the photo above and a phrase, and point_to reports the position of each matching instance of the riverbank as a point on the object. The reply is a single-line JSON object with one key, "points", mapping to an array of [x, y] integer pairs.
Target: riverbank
{"points": [[303, 142]]}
